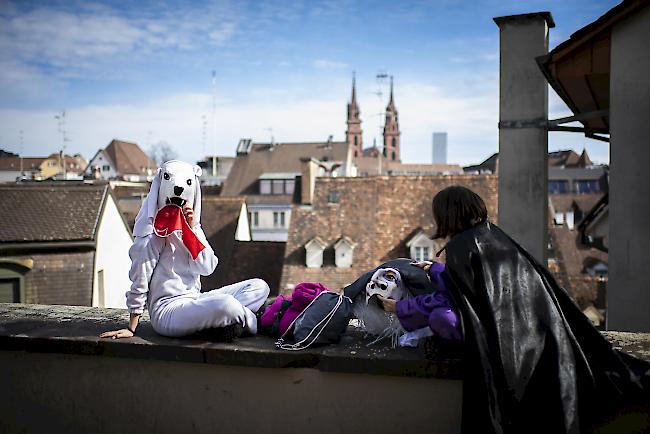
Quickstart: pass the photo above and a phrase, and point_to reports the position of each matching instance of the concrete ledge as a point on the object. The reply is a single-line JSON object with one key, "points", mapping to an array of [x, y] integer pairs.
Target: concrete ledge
{"points": [[74, 330], [54, 366]]}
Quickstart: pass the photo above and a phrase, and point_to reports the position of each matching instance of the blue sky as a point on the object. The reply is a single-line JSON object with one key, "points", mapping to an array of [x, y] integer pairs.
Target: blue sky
{"points": [[142, 71]]}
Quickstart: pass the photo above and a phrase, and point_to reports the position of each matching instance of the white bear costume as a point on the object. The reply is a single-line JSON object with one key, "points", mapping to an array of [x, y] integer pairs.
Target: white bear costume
{"points": [[166, 278]]}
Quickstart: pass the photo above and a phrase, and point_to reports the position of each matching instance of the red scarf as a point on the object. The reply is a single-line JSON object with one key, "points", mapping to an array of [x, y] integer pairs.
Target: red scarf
{"points": [[170, 219]]}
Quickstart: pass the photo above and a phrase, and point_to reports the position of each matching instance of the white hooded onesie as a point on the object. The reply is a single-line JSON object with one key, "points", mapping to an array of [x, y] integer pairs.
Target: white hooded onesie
{"points": [[166, 278]]}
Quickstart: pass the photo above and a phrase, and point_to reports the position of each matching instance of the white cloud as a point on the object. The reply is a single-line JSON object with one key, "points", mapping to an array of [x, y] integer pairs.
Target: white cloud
{"points": [[328, 64], [221, 35], [91, 39], [177, 119]]}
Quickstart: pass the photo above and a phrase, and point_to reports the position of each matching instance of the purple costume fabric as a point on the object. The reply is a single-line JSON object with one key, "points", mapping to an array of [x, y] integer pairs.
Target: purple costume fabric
{"points": [[302, 295], [434, 310]]}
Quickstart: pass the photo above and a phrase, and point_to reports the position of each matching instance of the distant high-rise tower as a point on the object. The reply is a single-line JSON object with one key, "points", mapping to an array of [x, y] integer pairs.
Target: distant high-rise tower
{"points": [[440, 148], [391, 129], [353, 133]]}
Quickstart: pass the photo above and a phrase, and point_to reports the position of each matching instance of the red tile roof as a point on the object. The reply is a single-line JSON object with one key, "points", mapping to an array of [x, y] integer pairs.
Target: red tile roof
{"points": [[129, 159], [378, 213], [28, 163]]}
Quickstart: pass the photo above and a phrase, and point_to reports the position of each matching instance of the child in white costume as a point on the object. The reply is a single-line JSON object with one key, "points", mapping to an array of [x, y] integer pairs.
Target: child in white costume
{"points": [[165, 276]]}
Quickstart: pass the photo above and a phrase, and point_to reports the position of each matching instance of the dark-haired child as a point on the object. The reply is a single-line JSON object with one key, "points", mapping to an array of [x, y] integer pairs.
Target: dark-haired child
{"points": [[533, 361]]}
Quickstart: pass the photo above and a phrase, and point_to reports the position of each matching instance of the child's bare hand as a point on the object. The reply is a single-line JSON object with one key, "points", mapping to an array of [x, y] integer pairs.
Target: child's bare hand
{"points": [[389, 304], [117, 334], [425, 265], [188, 212]]}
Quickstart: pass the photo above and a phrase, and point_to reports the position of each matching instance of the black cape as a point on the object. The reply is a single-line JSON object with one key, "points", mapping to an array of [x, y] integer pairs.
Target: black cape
{"points": [[533, 361]]}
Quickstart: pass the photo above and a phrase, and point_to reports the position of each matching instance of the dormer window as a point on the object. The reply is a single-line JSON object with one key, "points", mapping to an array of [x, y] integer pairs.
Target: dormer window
{"points": [[314, 253], [277, 183], [343, 249], [421, 246]]}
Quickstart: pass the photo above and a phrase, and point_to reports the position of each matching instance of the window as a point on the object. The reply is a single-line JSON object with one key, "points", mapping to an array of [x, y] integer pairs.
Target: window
{"points": [[333, 197], [278, 219], [385, 152], [51, 163], [422, 253], [278, 186], [343, 250], [10, 290], [421, 246], [314, 253], [558, 187], [356, 154], [100, 286], [586, 186], [355, 141], [392, 142], [393, 156], [106, 168], [255, 219], [289, 186], [265, 186]]}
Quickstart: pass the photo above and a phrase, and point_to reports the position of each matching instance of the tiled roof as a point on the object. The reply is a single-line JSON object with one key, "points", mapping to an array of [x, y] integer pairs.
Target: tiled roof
{"points": [[489, 164], [378, 213], [13, 163], [281, 157], [566, 158], [395, 166], [261, 259], [50, 212], [238, 260], [572, 256], [128, 158], [564, 202]]}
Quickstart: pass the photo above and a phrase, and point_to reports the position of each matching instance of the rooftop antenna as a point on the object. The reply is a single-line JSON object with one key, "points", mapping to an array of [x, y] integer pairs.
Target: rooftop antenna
{"points": [[64, 139], [20, 154], [381, 77]]}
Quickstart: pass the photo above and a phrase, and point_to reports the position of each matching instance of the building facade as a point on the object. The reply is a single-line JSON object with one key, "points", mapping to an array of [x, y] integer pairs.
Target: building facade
{"points": [[439, 145]]}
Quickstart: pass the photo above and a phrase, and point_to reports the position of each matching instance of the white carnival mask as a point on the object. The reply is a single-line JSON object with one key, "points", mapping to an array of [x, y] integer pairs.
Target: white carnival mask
{"points": [[385, 282], [178, 183]]}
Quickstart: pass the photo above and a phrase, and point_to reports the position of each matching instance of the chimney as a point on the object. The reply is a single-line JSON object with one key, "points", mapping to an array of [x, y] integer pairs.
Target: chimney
{"points": [[308, 172], [523, 138]]}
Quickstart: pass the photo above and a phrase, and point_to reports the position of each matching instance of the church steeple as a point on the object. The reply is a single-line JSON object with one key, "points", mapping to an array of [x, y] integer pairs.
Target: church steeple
{"points": [[391, 129], [353, 133]]}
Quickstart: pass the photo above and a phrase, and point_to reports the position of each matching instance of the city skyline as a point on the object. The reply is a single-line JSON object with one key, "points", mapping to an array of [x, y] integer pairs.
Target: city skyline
{"points": [[144, 73]]}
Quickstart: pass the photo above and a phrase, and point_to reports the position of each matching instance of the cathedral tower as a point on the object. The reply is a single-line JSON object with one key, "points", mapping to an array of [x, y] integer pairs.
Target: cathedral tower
{"points": [[391, 129], [353, 133]]}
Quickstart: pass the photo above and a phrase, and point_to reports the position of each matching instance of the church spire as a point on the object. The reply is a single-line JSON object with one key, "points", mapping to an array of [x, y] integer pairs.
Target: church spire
{"points": [[391, 129], [353, 133], [353, 102], [391, 102]]}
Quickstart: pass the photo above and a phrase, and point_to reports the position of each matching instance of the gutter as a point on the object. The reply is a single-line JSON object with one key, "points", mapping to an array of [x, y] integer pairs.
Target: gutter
{"points": [[47, 245]]}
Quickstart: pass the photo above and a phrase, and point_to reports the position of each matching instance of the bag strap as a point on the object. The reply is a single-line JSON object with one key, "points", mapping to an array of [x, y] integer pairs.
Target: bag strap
{"points": [[303, 344]]}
